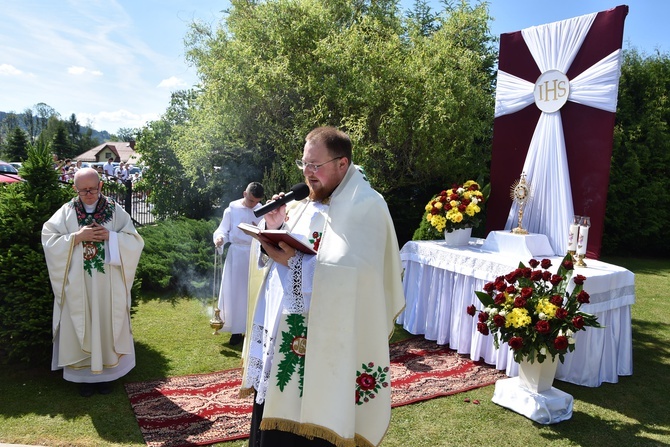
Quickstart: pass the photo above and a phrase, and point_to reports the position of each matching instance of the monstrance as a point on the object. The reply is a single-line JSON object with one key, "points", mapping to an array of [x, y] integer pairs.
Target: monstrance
{"points": [[520, 193]]}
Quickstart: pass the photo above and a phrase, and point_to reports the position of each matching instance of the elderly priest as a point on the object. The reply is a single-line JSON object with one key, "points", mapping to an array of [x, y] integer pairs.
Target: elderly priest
{"points": [[92, 250]]}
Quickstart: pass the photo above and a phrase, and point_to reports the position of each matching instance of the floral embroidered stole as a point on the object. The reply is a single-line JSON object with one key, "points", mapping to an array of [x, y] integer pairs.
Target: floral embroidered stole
{"points": [[94, 252]]}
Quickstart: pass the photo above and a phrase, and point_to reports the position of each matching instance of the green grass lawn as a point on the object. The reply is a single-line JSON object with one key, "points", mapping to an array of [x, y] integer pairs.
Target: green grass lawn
{"points": [[173, 338]]}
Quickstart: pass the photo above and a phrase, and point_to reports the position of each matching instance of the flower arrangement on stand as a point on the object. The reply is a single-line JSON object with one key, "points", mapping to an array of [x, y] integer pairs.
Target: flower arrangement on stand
{"points": [[532, 311], [456, 208]]}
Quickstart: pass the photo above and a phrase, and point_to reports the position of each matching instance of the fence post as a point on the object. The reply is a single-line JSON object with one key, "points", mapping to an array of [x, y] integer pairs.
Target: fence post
{"points": [[129, 197]]}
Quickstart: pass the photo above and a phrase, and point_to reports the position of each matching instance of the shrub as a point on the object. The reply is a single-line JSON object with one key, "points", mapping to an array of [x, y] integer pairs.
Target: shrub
{"points": [[178, 257], [26, 297]]}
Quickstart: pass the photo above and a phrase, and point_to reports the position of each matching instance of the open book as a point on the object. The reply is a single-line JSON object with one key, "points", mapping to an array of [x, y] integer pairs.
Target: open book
{"points": [[275, 236]]}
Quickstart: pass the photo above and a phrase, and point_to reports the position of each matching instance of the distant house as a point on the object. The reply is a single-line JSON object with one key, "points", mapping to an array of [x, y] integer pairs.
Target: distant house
{"points": [[120, 151]]}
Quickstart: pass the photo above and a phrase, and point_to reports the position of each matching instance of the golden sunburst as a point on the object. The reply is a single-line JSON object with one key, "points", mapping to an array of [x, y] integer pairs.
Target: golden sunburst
{"points": [[520, 190]]}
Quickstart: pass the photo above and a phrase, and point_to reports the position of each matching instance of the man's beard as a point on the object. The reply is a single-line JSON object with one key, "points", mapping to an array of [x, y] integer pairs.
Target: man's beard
{"points": [[318, 195]]}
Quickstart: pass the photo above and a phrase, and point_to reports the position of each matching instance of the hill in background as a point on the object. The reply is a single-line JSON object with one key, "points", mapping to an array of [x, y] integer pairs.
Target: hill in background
{"points": [[100, 135]]}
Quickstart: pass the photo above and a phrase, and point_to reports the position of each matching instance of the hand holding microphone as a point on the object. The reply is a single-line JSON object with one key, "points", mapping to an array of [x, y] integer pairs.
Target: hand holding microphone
{"points": [[298, 192]]}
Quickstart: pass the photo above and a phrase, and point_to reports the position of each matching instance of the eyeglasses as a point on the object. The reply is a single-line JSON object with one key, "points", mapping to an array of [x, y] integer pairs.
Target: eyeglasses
{"points": [[311, 166], [85, 192]]}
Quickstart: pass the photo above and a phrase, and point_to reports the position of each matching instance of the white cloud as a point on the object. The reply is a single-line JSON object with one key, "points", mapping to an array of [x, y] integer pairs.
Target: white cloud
{"points": [[113, 121], [9, 70], [172, 83], [81, 70], [76, 70]]}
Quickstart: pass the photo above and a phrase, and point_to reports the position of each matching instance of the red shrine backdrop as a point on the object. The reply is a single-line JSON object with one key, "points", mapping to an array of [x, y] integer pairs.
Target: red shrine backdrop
{"points": [[588, 131]]}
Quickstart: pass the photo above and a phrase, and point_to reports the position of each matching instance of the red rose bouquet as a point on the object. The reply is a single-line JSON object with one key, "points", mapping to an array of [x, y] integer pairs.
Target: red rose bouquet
{"points": [[532, 311]]}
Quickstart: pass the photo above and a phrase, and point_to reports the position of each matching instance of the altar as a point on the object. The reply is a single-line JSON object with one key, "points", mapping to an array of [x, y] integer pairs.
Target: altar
{"points": [[440, 281]]}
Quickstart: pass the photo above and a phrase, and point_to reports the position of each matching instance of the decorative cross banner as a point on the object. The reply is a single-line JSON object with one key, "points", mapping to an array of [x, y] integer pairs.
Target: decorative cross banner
{"points": [[554, 120]]}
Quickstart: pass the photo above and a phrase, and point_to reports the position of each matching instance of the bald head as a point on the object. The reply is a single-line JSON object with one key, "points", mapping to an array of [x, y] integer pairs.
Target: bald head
{"points": [[86, 175]]}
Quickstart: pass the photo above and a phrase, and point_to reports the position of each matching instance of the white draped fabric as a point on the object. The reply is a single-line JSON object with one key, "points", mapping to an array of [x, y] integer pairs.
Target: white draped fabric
{"points": [[554, 47], [440, 282]]}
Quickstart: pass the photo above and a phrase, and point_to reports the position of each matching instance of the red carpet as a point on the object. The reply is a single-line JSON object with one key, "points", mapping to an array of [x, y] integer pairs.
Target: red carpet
{"points": [[204, 408]]}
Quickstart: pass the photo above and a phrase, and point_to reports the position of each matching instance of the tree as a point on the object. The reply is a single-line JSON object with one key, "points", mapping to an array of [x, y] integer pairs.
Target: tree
{"points": [[125, 134], [17, 145], [7, 126], [60, 143], [87, 141], [43, 112], [26, 297], [74, 132], [640, 178], [415, 95], [29, 124]]}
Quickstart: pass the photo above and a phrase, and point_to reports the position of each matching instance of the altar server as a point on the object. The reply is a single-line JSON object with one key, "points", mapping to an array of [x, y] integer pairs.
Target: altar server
{"points": [[235, 277]]}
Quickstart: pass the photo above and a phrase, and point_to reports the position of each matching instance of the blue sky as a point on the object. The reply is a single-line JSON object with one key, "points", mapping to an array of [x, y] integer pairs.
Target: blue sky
{"points": [[114, 62]]}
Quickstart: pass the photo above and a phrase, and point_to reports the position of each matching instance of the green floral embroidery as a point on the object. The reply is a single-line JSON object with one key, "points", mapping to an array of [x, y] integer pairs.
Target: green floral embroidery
{"points": [[294, 342], [369, 382], [94, 252], [94, 257]]}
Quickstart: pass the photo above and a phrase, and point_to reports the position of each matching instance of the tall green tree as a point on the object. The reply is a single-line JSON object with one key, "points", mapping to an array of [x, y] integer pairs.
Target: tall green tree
{"points": [[26, 297], [415, 93], [639, 192], [60, 143], [43, 113], [30, 125], [7, 126], [74, 132], [17, 145], [172, 190]]}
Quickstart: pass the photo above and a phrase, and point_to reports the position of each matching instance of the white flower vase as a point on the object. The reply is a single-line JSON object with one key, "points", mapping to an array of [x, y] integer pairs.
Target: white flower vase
{"points": [[537, 377], [458, 237]]}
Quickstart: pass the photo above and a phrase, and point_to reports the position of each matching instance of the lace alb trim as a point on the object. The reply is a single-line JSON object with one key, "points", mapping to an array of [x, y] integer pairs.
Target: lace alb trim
{"points": [[294, 300]]}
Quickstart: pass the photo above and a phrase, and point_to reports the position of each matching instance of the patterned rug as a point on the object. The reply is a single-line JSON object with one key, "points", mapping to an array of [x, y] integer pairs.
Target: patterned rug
{"points": [[204, 409]]}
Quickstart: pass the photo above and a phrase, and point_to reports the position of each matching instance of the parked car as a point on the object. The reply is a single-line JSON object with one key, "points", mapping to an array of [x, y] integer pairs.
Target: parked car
{"points": [[16, 164], [8, 173]]}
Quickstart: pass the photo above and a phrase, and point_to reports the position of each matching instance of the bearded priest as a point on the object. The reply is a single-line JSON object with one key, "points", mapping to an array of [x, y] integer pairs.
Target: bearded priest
{"points": [[92, 250]]}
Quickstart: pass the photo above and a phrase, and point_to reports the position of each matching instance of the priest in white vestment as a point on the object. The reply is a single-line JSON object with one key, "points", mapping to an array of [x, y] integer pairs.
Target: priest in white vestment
{"points": [[320, 324], [92, 250], [235, 277]]}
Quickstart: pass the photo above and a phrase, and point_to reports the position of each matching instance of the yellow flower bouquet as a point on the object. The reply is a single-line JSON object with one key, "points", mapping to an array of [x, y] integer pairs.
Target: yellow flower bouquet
{"points": [[456, 208]]}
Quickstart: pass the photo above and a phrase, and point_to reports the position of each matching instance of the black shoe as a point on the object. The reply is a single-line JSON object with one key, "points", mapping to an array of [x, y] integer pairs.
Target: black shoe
{"points": [[104, 387], [86, 389], [235, 339]]}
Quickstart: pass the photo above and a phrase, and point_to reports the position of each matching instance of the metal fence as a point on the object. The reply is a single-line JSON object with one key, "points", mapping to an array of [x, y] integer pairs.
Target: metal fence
{"points": [[134, 202]]}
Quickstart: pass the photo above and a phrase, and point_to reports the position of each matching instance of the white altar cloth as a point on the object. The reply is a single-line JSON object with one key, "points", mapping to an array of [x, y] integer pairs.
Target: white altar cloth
{"points": [[440, 282], [521, 245]]}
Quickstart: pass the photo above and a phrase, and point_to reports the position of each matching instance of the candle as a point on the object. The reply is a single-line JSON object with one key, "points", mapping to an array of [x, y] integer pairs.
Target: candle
{"points": [[572, 237], [573, 233], [582, 240]]}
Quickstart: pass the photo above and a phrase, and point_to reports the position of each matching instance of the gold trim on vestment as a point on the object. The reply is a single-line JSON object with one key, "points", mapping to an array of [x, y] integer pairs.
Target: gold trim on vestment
{"points": [[312, 431]]}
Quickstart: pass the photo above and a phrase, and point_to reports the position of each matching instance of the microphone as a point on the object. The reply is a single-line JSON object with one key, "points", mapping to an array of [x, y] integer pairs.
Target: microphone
{"points": [[298, 192]]}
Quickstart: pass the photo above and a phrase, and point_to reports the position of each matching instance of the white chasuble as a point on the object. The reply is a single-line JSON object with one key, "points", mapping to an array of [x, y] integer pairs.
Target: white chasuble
{"points": [[330, 371], [91, 283]]}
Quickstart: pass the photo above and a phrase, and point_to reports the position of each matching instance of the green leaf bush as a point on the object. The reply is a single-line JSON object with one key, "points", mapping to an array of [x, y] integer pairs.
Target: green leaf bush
{"points": [[26, 297], [178, 257]]}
